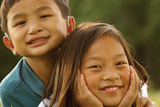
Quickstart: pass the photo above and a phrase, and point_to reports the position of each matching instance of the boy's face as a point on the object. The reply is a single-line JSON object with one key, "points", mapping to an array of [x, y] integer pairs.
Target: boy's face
{"points": [[36, 27], [106, 70]]}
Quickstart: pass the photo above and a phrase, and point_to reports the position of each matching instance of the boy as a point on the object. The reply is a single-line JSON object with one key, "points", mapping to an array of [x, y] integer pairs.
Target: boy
{"points": [[36, 30]]}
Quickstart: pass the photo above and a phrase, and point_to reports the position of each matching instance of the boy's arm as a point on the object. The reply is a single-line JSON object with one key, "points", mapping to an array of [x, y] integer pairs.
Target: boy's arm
{"points": [[7, 100]]}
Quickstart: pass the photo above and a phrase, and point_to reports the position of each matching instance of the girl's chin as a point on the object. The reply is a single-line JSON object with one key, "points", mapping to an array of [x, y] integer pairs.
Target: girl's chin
{"points": [[114, 105]]}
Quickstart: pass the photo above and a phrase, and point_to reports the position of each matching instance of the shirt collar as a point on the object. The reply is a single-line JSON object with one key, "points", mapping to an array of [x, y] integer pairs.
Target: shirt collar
{"points": [[31, 79]]}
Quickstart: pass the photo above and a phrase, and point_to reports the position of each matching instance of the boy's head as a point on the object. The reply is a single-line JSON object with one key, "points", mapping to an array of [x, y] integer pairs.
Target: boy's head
{"points": [[7, 5], [35, 27]]}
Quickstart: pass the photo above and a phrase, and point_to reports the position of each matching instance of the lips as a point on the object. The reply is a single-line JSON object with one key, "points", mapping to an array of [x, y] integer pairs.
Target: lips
{"points": [[112, 88], [37, 40]]}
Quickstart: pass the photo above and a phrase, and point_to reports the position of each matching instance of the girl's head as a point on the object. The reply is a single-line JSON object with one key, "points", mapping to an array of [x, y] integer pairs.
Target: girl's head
{"points": [[103, 56]]}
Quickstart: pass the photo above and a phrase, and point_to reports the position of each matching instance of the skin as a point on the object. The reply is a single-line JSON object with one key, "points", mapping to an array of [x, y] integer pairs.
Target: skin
{"points": [[106, 69], [36, 33]]}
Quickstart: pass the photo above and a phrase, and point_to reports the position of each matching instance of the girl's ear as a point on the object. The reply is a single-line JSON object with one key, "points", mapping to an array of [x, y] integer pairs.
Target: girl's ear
{"points": [[7, 41], [70, 24]]}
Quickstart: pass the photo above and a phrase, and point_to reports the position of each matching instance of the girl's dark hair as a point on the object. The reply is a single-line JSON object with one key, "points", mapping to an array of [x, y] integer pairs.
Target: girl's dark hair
{"points": [[63, 82]]}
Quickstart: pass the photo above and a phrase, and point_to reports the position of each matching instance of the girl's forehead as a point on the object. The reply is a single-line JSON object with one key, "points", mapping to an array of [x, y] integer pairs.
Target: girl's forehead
{"points": [[105, 46]]}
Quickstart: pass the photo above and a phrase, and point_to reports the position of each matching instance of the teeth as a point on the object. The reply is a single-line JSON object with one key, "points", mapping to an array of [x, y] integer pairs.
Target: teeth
{"points": [[36, 41], [113, 88]]}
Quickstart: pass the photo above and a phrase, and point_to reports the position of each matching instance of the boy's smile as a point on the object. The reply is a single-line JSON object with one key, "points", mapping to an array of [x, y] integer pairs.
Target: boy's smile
{"points": [[36, 27], [106, 69]]}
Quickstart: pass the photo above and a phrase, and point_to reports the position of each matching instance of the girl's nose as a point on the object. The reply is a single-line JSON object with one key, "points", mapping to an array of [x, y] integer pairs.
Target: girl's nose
{"points": [[110, 74]]}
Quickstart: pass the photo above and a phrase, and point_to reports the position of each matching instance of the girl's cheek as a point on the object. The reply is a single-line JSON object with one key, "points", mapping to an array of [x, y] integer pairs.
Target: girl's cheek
{"points": [[91, 82]]}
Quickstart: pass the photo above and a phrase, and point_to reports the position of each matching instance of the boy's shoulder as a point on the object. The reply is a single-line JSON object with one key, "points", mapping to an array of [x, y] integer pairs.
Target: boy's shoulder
{"points": [[11, 81], [21, 86]]}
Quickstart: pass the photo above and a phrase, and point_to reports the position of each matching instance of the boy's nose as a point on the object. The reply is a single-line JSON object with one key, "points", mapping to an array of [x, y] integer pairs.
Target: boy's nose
{"points": [[110, 74], [35, 27]]}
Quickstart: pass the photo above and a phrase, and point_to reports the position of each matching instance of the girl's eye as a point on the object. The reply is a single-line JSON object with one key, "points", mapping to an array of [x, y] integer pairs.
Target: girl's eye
{"points": [[120, 63], [44, 16], [95, 66], [20, 23]]}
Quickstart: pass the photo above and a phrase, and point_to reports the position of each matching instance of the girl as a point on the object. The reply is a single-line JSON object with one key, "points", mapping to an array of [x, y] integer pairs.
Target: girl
{"points": [[101, 55]]}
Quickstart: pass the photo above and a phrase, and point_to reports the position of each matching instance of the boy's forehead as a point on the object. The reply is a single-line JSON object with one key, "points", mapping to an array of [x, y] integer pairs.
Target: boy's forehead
{"points": [[27, 4], [33, 6]]}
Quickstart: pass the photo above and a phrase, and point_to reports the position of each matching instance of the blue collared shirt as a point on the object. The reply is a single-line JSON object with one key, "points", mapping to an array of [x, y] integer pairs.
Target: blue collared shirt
{"points": [[21, 87]]}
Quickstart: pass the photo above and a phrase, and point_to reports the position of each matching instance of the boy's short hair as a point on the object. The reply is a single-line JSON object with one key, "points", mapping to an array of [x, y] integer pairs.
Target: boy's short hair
{"points": [[7, 5]]}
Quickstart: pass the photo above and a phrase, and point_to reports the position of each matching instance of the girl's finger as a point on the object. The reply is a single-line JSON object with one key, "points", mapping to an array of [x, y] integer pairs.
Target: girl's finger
{"points": [[136, 79], [79, 91], [84, 87]]}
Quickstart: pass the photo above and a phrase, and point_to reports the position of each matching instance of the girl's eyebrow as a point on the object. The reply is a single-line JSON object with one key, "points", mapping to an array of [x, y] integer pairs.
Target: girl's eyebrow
{"points": [[120, 55], [99, 58], [123, 55], [93, 58]]}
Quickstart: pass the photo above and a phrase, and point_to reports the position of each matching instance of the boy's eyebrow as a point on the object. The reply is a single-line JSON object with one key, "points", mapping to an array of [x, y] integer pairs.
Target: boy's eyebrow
{"points": [[18, 15], [37, 10], [42, 8]]}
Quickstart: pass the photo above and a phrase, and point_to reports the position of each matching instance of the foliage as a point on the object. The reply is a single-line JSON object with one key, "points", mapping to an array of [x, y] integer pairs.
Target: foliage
{"points": [[154, 95]]}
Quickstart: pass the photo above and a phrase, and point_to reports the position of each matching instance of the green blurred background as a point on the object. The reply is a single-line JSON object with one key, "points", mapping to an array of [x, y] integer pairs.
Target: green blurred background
{"points": [[138, 20]]}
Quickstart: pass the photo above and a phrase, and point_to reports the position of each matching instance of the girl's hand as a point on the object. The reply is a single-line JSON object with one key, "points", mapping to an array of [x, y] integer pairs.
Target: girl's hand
{"points": [[146, 102], [132, 92], [84, 97]]}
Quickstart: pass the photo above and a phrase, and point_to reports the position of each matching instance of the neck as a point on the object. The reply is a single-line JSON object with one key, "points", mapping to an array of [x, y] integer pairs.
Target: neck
{"points": [[42, 66]]}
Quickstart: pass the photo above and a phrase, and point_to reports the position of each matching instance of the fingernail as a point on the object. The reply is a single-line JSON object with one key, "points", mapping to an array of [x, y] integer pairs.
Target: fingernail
{"points": [[81, 75], [131, 67]]}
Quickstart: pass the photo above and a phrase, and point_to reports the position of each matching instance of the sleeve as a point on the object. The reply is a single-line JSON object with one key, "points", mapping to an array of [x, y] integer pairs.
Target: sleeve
{"points": [[7, 100], [144, 90], [46, 102]]}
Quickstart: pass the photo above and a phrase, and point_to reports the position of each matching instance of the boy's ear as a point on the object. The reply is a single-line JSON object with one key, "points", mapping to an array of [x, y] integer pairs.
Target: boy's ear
{"points": [[7, 41], [70, 24]]}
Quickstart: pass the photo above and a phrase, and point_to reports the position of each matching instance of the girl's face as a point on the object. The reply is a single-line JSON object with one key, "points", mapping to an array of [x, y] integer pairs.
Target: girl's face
{"points": [[106, 69]]}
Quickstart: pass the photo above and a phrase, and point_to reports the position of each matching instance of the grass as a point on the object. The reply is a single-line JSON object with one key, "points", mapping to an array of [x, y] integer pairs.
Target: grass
{"points": [[154, 95]]}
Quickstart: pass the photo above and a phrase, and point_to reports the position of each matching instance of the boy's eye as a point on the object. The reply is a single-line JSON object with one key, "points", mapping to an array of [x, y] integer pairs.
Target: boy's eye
{"points": [[20, 23], [44, 16]]}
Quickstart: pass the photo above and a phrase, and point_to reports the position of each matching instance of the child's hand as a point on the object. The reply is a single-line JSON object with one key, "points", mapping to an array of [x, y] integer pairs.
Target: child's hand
{"points": [[132, 92], [146, 102], [84, 97]]}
